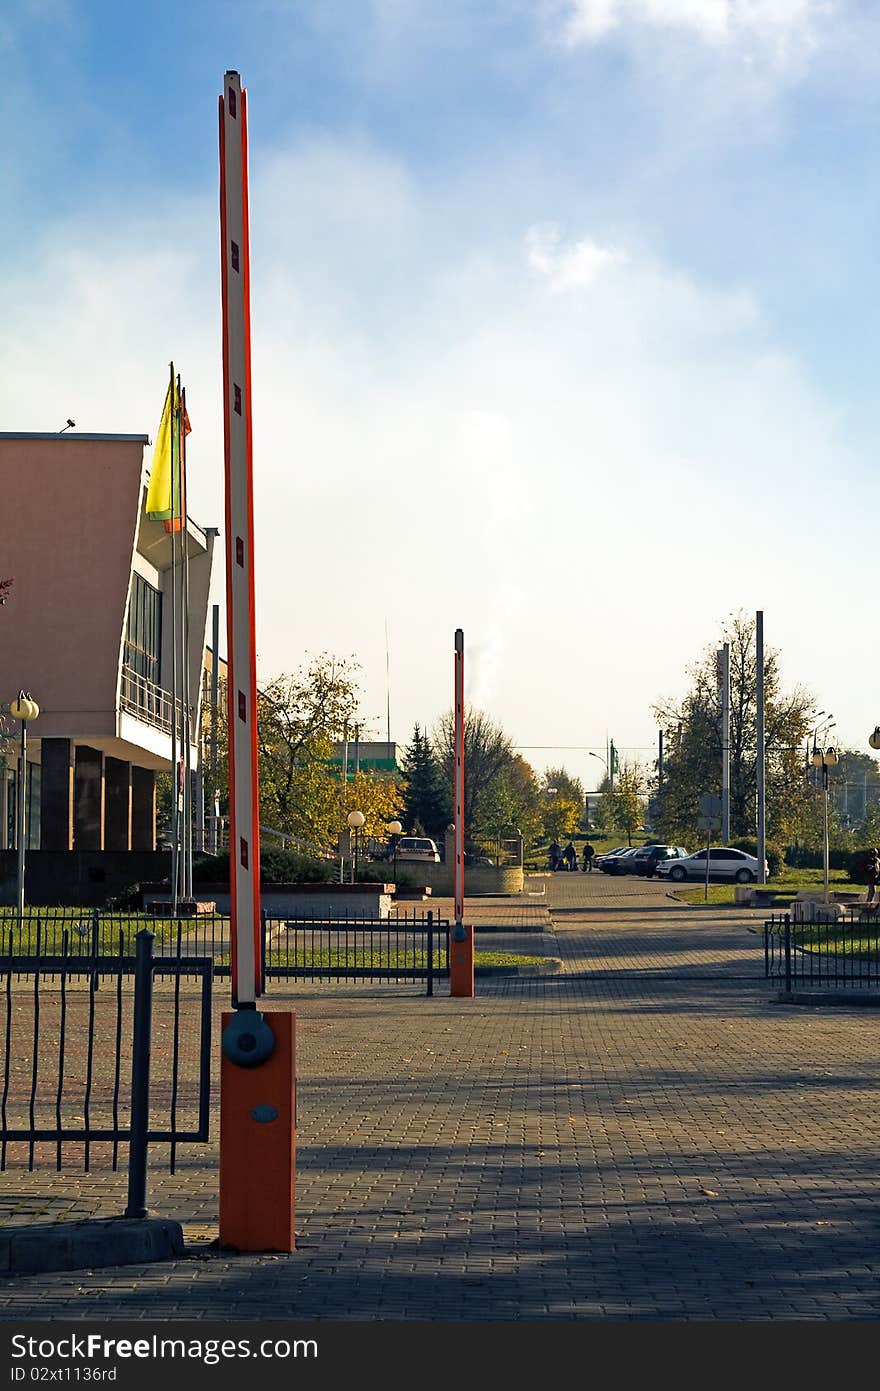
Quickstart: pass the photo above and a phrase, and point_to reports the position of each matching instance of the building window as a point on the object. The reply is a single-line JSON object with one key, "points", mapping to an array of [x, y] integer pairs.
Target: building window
{"points": [[143, 638]]}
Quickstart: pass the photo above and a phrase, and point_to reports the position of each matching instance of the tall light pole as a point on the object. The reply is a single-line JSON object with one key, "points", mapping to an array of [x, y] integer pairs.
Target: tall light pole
{"points": [[874, 741], [825, 759], [761, 816], [23, 708], [601, 760], [356, 819], [723, 669], [394, 830]]}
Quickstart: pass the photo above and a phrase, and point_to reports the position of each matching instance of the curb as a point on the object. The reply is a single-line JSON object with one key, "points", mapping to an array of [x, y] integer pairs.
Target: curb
{"points": [[826, 997], [536, 928], [550, 966], [35, 1250]]}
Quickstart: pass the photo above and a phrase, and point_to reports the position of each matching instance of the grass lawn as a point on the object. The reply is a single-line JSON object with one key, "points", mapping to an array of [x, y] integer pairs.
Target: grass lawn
{"points": [[379, 958], [537, 857], [77, 922], [786, 883]]}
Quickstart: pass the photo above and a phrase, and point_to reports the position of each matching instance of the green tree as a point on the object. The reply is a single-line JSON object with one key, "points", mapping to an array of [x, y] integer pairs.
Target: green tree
{"points": [[692, 764], [487, 752], [853, 785], [427, 799], [562, 803], [565, 784], [623, 806], [379, 798], [560, 817], [510, 804]]}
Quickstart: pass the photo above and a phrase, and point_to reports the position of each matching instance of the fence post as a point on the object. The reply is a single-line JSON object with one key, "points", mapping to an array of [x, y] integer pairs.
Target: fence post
{"points": [[768, 927], [263, 936], [96, 945], [787, 941], [430, 989], [140, 1075]]}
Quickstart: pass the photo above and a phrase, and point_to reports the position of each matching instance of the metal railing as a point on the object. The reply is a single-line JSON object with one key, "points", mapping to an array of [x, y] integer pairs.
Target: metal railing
{"points": [[145, 700], [406, 946], [76, 1065], [841, 952], [501, 850]]}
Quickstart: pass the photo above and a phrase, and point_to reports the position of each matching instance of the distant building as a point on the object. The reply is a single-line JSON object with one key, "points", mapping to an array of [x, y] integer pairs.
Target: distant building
{"points": [[368, 757], [87, 631]]}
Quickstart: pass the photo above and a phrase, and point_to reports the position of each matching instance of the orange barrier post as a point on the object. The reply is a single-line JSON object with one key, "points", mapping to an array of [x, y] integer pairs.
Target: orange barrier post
{"points": [[461, 962], [258, 1135]]}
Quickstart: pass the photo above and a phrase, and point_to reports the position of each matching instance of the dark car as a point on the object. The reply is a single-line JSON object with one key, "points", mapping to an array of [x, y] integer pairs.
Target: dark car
{"points": [[619, 864], [599, 860], [647, 857]]}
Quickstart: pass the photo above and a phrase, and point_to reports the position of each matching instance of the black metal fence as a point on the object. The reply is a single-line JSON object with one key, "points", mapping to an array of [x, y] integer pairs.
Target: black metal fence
{"points": [[77, 1059], [408, 947], [837, 953], [411, 947]]}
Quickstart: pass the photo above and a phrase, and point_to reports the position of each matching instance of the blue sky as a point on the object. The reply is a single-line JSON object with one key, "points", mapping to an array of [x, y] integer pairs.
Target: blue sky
{"points": [[607, 266]]}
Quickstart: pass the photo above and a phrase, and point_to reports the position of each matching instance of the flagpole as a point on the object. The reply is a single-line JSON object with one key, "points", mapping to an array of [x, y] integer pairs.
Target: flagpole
{"points": [[179, 785], [175, 826], [187, 708]]}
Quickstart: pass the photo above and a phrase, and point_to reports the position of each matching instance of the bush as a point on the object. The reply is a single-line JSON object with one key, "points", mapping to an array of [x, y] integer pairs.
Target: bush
{"points": [[276, 867], [772, 853], [379, 874], [126, 900], [856, 865], [805, 857]]}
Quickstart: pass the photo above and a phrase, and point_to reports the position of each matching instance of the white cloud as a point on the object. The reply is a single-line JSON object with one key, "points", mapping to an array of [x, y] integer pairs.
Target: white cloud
{"points": [[776, 28], [568, 268], [441, 442]]}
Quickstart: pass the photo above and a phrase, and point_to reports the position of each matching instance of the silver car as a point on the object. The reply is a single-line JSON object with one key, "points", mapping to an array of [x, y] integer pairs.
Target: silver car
{"points": [[725, 863]]}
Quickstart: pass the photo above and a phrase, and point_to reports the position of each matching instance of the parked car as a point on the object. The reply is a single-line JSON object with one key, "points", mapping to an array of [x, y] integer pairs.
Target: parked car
{"points": [[725, 862], [647, 858], [418, 848], [607, 855], [617, 864]]}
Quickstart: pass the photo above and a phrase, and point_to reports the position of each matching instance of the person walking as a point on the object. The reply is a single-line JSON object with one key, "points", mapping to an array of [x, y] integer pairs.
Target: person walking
{"points": [[589, 852], [555, 854], [569, 855], [872, 873]]}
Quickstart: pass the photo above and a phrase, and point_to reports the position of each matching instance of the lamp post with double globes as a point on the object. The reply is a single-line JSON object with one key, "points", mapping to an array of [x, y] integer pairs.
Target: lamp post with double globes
{"points": [[25, 709], [394, 830], [824, 759], [356, 820]]}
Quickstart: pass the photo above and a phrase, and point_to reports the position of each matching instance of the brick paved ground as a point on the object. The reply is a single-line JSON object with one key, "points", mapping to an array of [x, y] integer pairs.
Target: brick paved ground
{"points": [[644, 1136]]}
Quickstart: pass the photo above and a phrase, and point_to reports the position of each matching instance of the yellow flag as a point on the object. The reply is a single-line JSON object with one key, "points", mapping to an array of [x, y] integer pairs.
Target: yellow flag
{"points": [[159, 504]]}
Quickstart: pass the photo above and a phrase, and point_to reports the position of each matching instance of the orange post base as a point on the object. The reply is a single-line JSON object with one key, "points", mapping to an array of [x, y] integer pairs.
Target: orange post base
{"points": [[258, 1145], [461, 965]]}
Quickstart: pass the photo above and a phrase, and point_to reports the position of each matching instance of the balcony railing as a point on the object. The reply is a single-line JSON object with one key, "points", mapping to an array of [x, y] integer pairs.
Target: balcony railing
{"points": [[145, 700]]}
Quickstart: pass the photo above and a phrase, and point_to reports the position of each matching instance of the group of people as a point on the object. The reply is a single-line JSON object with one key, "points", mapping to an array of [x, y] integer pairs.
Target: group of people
{"points": [[568, 858]]}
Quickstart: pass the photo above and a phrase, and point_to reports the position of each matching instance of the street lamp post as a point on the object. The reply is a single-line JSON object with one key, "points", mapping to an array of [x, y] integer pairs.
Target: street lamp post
{"points": [[825, 759], [23, 708], [601, 760], [394, 830], [356, 820]]}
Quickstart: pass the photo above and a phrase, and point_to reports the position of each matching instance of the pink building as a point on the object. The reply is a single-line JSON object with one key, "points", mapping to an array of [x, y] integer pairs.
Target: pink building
{"points": [[87, 631]]}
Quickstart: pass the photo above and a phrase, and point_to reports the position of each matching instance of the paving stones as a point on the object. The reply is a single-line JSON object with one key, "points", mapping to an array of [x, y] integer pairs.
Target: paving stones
{"points": [[646, 1135]]}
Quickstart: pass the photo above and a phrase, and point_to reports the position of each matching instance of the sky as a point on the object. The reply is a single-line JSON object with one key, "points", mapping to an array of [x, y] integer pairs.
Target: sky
{"points": [[564, 319]]}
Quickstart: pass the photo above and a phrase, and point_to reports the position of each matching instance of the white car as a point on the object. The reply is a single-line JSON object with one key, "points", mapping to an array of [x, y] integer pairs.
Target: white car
{"points": [[418, 848], [724, 863]]}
